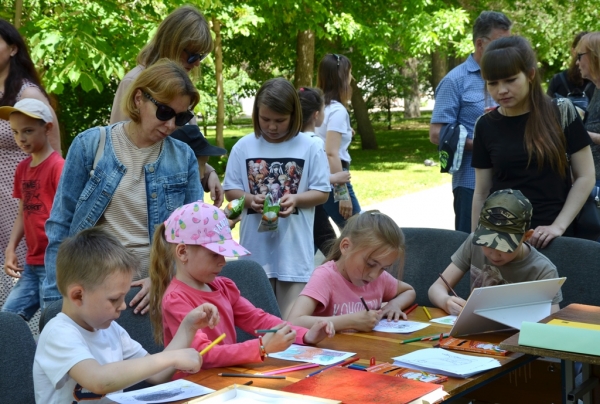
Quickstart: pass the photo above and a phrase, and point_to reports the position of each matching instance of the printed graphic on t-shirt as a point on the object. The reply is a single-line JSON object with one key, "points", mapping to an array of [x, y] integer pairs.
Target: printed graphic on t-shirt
{"points": [[276, 177], [339, 309], [32, 205], [488, 276]]}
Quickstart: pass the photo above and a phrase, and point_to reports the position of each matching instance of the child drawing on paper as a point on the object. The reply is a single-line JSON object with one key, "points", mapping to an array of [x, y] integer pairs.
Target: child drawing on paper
{"points": [[196, 238], [497, 252], [357, 266]]}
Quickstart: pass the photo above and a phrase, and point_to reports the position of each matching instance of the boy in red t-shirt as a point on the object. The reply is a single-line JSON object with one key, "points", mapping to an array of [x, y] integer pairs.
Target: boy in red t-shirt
{"points": [[36, 180]]}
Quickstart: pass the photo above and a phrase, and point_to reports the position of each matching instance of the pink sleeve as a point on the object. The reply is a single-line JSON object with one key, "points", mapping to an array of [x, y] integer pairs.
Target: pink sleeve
{"points": [[319, 286], [390, 287]]}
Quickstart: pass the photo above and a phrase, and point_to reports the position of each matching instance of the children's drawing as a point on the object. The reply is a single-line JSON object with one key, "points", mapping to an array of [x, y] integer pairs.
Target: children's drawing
{"points": [[448, 320], [300, 353], [399, 327], [162, 393]]}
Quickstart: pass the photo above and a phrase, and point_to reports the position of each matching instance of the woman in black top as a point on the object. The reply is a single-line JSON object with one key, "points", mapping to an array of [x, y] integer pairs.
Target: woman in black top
{"points": [[523, 143]]}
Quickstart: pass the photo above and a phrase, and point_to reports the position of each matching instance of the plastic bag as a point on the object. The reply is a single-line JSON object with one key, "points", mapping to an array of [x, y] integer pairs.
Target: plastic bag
{"points": [[270, 216], [234, 208]]}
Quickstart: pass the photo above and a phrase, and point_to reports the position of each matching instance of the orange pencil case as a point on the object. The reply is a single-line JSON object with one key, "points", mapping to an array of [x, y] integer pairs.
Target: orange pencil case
{"points": [[459, 344]]}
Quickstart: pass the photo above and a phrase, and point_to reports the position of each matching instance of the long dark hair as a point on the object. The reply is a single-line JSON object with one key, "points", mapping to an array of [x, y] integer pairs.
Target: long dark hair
{"points": [[21, 67], [311, 100], [334, 78], [544, 137]]}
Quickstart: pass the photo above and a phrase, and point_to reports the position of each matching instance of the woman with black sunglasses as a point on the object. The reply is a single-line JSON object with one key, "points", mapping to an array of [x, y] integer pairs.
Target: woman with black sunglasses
{"points": [[184, 37], [133, 182]]}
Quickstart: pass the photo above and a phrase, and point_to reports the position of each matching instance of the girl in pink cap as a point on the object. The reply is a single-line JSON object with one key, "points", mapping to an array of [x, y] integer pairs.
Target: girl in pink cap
{"points": [[197, 238]]}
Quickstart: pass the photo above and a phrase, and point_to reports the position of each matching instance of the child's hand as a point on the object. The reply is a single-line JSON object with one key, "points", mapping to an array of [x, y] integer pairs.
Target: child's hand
{"points": [[11, 264], [393, 311], [205, 315], [366, 320], [454, 305], [319, 331], [280, 340], [287, 205], [340, 178], [258, 202], [186, 360], [345, 209]]}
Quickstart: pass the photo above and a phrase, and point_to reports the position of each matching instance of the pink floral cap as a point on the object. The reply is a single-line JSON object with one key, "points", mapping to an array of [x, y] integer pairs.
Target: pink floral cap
{"points": [[205, 225]]}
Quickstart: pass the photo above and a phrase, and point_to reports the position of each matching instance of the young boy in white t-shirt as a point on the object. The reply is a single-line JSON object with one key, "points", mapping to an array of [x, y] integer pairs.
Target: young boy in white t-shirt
{"points": [[82, 353], [496, 253]]}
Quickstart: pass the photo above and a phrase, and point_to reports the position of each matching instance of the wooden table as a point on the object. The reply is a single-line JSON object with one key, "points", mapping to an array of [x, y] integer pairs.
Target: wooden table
{"points": [[383, 346], [573, 312]]}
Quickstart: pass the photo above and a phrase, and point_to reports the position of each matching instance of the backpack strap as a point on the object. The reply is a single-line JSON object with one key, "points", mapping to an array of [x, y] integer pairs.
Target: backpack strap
{"points": [[564, 80], [100, 149]]}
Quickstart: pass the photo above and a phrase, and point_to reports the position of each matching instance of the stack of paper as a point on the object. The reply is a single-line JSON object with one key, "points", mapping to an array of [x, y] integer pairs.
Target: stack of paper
{"points": [[441, 361], [399, 327]]}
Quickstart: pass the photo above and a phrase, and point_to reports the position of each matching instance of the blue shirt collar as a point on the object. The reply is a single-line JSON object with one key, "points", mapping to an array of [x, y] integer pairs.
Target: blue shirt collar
{"points": [[472, 65]]}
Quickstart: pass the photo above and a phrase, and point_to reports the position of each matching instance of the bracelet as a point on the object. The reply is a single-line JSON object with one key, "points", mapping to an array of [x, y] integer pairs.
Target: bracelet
{"points": [[263, 351]]}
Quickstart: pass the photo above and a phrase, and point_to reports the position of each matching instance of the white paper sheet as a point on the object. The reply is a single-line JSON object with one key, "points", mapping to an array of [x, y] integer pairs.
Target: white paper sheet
{"points": [[442, 361], [399, 327], [311, 354], [162, 393], [448, 320]]}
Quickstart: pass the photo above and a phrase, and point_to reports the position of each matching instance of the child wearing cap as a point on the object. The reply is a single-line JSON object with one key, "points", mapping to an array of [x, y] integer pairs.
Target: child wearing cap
{"points": [[496, 253], [197, 238], [82, 353], [35, 183]]}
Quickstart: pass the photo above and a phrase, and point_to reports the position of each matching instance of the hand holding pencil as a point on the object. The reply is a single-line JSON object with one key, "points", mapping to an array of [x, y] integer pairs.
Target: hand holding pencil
{"points": [[280, 340]]}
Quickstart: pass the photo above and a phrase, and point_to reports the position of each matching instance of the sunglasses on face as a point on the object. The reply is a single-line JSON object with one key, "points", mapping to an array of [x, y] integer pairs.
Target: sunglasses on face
{"points": [[195, 57], [579, 55], [165, 112]]}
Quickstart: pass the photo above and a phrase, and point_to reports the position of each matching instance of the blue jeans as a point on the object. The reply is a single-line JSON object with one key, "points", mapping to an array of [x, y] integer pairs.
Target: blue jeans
{"points": [[24, 299], [333, 208], [463, 202]]}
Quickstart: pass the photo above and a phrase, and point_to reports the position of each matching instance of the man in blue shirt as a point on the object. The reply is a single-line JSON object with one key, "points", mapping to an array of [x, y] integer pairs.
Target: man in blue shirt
{"points": [[460, 97]]}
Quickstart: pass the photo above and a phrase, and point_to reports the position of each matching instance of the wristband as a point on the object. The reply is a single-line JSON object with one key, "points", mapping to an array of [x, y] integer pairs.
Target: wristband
{"points": [[263, 352]]}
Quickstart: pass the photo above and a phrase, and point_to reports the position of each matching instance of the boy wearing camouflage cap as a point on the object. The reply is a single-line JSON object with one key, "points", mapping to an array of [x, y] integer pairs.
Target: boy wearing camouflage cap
{"points": [[496, 253]]}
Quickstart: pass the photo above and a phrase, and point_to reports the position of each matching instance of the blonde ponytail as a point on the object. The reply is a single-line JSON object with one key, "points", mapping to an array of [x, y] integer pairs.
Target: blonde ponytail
{"points": [[162, 266]]}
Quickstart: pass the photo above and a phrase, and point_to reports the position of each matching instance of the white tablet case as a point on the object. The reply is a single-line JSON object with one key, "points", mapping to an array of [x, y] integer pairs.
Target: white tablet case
{"points": [[493, 308]]}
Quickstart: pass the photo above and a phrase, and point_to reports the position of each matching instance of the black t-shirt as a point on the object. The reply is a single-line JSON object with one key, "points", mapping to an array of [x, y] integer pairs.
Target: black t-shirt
{"points": [[557, 86], [499, 144]]}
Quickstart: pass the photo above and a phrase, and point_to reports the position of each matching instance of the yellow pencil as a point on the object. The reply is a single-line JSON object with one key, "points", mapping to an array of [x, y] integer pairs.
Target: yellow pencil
{"points": [[426, 312], [215, 342]]}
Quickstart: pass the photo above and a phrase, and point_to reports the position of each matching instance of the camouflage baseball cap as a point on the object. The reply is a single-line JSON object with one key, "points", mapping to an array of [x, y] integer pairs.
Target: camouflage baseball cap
{"points": [[504, 219]]}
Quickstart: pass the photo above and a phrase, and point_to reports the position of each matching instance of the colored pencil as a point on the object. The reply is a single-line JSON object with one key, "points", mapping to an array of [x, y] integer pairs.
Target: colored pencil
{"points": [[291, 368], [250, 375], [447, 284], [425, 338], [426, 312], [212, 344], [411, 308], [340, 363], [264, 331], [364, 303]]}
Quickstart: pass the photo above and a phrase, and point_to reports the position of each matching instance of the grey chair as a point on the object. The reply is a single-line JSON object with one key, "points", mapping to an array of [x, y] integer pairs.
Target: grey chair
{"points": [[579, 261], [17, 350], [428, 253], [254, 285]]}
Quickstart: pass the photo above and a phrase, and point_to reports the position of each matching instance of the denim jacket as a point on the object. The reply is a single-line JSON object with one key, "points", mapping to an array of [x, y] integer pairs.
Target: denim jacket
{"points": [[83, 194]]}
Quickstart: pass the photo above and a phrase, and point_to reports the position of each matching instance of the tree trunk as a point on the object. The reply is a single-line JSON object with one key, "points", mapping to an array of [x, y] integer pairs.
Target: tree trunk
{"points": [[18, 13], [361, 113], [305, 58], [216, 27], [439, 68], [412, 103]]}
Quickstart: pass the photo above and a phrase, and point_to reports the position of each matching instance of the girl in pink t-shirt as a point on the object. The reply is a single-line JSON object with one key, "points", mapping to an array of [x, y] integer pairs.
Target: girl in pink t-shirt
{"points": [[370, 244], [197, 238]]}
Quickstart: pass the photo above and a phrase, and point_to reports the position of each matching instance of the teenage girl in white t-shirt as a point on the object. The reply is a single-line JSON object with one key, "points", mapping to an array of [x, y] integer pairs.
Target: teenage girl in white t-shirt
{"points": [[335, 75], [313, 112]]}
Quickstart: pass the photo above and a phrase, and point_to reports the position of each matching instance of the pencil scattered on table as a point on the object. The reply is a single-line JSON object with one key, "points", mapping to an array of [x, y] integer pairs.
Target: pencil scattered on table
{"points": [[434, 337], [212, 344], [426, 312], [364, 303], [447, 284], [411, 308], [340, 363], [265, 331], [291, 368], [441, 336], [250, 375]]}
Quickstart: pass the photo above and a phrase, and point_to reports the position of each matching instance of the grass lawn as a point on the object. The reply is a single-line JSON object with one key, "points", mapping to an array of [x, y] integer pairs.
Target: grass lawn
{"points": [[396, 168]]}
